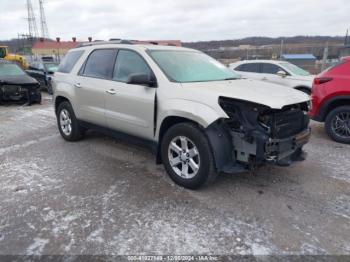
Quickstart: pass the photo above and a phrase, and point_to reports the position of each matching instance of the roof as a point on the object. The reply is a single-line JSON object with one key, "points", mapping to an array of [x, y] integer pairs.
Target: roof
{"points": [[299, 56], [134, 46], [257, 61], [55, 45], [160, 42]]}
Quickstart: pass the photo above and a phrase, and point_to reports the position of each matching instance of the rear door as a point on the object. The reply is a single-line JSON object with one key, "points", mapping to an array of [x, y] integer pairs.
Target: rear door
{"points": [[130, 108], [92, 83]]}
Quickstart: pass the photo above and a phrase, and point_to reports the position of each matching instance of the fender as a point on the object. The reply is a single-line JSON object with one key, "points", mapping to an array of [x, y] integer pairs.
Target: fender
{"points": [[67, 92], [191, 110]]}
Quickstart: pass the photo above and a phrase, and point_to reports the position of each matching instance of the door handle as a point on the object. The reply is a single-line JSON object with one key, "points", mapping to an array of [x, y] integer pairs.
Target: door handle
{"points": [[78, 85], [111, 92], [264, 78]]}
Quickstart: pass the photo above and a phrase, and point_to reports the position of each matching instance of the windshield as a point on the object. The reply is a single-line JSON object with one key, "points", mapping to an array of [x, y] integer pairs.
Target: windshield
{"points": [[11, 70], [190, 66], [51, 67], [295, 69]]}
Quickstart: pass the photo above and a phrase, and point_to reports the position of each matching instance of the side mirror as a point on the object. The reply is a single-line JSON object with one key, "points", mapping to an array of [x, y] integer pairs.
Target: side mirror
{"points": [[142, 79], [282, 73], [50, 72]]}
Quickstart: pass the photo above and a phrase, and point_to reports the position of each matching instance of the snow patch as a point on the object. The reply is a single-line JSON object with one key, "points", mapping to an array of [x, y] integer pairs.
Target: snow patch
{"points": [[37, 247]]}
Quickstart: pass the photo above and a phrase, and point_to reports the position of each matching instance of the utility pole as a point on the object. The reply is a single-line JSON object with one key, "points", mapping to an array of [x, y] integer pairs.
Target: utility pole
{"points": [[43, 23], [325, 57], [33, 30], [346, 38], [281, 49]]}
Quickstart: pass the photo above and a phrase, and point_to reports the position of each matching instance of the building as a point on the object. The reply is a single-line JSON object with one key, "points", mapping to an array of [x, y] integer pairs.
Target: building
{"points": [[305, 61], [53, 48]]}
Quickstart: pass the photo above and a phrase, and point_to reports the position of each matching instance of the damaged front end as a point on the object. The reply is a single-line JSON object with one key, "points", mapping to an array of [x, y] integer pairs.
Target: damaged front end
{"points": [[255, 134], [29, 93]]}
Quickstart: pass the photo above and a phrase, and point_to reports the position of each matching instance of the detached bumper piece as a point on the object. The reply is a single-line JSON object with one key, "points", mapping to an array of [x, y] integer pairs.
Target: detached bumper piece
{"points": [[26, 93], [285, 151]]}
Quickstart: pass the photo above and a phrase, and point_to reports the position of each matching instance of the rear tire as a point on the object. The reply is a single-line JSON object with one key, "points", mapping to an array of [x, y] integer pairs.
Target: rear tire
{"points": [[67, 123], [187, 156], [337, 124]]}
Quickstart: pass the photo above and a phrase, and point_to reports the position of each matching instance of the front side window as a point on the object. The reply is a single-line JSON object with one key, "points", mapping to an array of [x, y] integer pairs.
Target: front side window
{"points": [[270, 69], [11, 70], [69, 61], [250, 68], [129, 62], [191, 66], [100, 63]]}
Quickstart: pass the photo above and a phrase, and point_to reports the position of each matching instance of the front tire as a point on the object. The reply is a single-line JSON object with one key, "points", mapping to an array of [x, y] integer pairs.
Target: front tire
{"points": [[187, 156], [67, 123], [337, 124]]}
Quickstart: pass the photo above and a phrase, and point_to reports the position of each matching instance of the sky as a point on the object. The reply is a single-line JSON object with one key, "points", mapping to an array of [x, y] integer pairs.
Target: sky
{"points": [[186, 20]]}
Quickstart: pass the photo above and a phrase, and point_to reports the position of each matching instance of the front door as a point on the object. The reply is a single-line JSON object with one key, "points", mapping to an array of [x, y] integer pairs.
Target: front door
{"points": [[130, 108]]}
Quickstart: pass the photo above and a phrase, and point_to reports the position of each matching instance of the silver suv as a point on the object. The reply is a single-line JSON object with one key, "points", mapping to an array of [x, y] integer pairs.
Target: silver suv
{"points": [[196, 115]]}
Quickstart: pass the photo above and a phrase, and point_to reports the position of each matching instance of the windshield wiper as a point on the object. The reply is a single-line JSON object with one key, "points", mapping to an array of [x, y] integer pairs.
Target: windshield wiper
{"points": [[231, 78]]}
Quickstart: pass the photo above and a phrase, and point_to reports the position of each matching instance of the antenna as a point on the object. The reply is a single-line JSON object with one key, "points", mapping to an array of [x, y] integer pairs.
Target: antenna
{"points": [[33, 30], [43, 24]]}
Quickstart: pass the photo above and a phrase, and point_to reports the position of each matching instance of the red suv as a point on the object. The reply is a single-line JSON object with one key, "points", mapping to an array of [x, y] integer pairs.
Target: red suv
{"points": [[331, 100]]}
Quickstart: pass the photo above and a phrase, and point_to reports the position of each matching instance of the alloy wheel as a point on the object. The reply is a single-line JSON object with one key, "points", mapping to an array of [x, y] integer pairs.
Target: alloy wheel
{"points": [[184, 157], [65, 122], [341, 124]]}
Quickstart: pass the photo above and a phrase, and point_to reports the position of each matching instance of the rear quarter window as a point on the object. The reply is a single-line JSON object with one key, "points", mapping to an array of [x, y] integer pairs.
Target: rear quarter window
{"points": [[69, 61]]}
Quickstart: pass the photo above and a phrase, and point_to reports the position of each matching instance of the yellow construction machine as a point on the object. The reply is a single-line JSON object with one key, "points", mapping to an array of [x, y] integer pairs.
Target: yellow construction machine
{"points": [[20, 60]]}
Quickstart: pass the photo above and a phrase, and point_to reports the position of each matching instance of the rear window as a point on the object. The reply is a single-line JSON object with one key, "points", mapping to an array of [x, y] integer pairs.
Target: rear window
{"points": [[69, 61]]}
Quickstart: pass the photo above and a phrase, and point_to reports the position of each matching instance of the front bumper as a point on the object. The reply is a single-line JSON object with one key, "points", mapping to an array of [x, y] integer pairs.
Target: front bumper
{"points": [[19, 93], [266, 150], [277, 150]]}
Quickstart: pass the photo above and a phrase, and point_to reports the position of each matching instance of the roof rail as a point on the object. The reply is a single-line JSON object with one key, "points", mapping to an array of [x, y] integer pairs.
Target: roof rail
{"points": [[112, 41]]}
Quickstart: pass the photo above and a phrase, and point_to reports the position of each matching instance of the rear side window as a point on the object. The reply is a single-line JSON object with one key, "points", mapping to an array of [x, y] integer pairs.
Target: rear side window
{"points": [[100, 63], [129, 62], [251, 67], [270, 69], [69, 61]]}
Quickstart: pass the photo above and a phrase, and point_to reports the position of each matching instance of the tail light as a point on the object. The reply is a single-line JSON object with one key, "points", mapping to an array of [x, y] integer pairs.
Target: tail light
{"points": [[322, 80]]}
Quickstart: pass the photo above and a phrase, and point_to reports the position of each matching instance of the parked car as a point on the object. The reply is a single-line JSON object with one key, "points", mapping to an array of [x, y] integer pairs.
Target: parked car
{"points": [[43, 71], [16, 85], [196, 114], [277, 72], [331, 101]]}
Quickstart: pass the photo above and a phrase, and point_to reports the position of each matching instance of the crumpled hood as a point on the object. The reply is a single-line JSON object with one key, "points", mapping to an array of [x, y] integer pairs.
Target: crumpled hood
{"points": [[272, 95], [18, 80]]}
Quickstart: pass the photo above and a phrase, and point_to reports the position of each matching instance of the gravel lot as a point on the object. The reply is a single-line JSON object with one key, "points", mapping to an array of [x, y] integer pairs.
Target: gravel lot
{"points": [[102, 196]]}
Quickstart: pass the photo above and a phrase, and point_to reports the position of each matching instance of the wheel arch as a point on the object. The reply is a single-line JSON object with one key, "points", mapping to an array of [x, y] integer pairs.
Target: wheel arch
{"points": [[59, 100], [332, 104], [167, 123]]}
